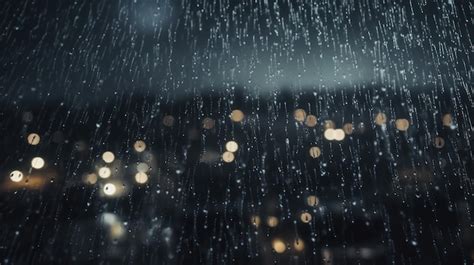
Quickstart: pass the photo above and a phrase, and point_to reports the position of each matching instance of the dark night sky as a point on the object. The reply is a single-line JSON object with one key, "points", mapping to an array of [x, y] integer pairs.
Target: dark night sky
{"points": [[57, 49]]}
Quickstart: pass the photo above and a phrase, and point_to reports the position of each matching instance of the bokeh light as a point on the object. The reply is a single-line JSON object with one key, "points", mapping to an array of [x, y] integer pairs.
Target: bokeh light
{"points": [[272, 221], [110, 189], [329, 124], [141, 178], [312, 200], [380, 119], [329, 134], [237, 116], [228, 157], [168, 121], [105, 172], [447, 120], [37, 163], [348, 128], [299, 115], [402, 124], [439, 142], [314, 152], [139, 146], [298, 244], [208, 123], [278, 245], [305, 217], [108, 157], [255, 220], [339, 134], [311, 121], [33, 139], [143, 167], [90, 178], [232, 146], [16, 176]]}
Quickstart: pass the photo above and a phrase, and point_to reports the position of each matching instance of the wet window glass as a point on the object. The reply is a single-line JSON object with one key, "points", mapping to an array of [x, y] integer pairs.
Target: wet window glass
{"points": [[236, 132]]}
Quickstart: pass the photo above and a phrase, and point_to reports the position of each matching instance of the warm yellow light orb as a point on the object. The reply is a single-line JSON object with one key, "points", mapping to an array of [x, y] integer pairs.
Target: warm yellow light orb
{"points": [[305, 217], [278, 245], [402, 124], [37, 163], [90, 178], [299, 115], [228, 157], [272, 221], [298, 244], [311, 121], [139, 146], [117, 230], [312, 200], [141, 177], [231, 146], [314, 152], [33, 139], [255, 220], [237, 115], [108, 157]]}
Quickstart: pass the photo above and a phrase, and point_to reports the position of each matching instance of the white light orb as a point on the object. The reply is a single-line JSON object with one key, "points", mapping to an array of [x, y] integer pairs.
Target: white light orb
{"points": [[110, 189], [16, 176], [339, 134], [37, 163], [104, 172], [232, 146], [329, 134]]}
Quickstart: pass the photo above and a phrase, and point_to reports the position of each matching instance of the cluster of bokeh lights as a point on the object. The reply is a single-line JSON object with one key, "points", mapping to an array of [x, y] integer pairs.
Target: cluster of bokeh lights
{"points": [[330, 133]]}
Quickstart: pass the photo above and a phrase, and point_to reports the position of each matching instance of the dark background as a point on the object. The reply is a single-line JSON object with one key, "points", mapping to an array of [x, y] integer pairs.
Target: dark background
{"points": [[92, 76]]}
